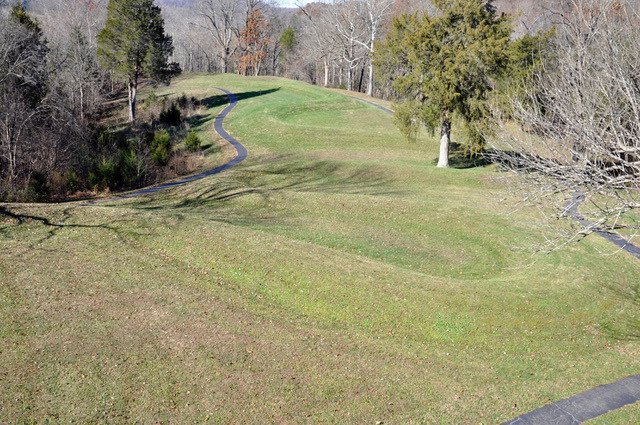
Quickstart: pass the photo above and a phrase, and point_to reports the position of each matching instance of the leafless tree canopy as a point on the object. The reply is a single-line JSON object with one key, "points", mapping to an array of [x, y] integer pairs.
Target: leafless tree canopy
{"points": [[582, 117], [38, 127]]}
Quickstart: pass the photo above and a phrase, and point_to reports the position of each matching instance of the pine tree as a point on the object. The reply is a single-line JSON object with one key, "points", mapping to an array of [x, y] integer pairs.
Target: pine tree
{"points": [[443, 67], [133, 45]]}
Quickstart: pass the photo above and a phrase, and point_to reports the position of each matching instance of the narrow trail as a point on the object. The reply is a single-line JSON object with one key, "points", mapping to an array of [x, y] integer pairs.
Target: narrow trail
{"points": [[594, 402], [619, 241], [241, 155]]}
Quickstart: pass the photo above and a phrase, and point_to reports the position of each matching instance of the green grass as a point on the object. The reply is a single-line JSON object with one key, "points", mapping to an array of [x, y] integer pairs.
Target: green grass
{"points": [[627, 415], [335, 276]]}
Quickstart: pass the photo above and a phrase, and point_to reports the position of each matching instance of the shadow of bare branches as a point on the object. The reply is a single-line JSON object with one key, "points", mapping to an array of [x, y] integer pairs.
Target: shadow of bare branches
{"points": [[265, 178], [55, 225]]}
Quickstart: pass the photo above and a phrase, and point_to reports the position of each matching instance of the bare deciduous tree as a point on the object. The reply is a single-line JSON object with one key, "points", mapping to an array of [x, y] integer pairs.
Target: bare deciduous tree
{"points": [[347, 18], [222, 20], [364, 18], [37, 128], [581, 120], [319, 37]]}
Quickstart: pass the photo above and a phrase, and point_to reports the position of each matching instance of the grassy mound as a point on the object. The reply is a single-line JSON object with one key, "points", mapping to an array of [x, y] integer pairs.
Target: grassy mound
{"points": [[335, 276]]}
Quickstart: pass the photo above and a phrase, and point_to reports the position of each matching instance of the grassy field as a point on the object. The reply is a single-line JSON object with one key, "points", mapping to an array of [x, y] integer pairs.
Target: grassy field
{"points": [[336, 276]]}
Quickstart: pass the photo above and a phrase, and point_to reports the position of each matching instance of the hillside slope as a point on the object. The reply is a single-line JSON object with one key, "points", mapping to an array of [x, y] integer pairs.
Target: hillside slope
{"points": [[336, 276]]}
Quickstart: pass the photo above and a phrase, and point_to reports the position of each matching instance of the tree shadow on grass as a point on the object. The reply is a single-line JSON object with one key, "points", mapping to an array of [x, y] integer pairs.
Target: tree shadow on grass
{"points": [[223, 99], [506, 160], [265, 179], [461, 160], [13, 217]]}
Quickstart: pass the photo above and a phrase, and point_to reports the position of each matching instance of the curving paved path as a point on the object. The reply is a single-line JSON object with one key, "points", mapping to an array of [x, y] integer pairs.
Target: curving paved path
{"points": [[241, 155], [597, 401], [622, 243]]}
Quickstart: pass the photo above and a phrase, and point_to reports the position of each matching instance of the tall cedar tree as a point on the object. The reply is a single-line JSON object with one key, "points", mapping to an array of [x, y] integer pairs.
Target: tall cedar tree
{"points": [[254, 39], [133, 46], [288, 41], [443, 66]]}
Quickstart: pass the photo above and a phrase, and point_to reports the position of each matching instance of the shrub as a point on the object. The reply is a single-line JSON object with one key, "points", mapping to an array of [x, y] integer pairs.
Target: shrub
{"points": [[109, 139], [104, 175], [131, 167], [161, 147], [182, 101], [38, 189], [192, 142], [151, 100], [71, 181], [171, 116]]}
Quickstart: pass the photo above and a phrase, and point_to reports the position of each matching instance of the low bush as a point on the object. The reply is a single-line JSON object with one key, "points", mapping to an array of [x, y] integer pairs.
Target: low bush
{"points": [[171, 116], [161, 147], [192, 142], [151, 100], [183, 101], [38, 189], [104, 175]]}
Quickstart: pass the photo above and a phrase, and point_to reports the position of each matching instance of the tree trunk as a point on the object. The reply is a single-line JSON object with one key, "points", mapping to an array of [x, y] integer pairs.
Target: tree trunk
{"points": [[133, 95], [370, 81], [326, 72], [81, 102], [225, 61], [333, 74], [443, 160]]}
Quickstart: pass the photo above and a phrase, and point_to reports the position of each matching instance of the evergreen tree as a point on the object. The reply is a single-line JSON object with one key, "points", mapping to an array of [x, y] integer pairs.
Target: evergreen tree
{"points": [[288, 39], [442, 67], [133, 45], [527, 55]]}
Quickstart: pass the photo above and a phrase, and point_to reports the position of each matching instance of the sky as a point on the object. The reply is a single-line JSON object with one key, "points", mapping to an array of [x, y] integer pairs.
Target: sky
{"points": [[289, 3]]}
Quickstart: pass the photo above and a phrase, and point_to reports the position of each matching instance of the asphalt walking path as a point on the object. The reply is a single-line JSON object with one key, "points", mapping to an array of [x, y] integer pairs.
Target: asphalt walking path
{"points": [[620, 242], [241, 155], [584, 406], [594, 402]]}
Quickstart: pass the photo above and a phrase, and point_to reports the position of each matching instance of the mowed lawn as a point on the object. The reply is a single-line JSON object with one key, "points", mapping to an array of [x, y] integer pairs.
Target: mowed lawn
{"points": [[336, 276]]}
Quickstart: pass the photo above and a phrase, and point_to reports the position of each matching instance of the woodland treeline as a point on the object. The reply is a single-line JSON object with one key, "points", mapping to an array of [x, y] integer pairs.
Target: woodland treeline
{"points": [[60, 91], [326, 43], [562, 73], [58, 81]]}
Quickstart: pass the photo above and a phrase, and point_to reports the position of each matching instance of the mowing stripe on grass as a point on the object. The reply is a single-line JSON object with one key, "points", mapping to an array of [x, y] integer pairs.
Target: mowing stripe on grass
{"points": [[241, 155], [584, 406]]}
